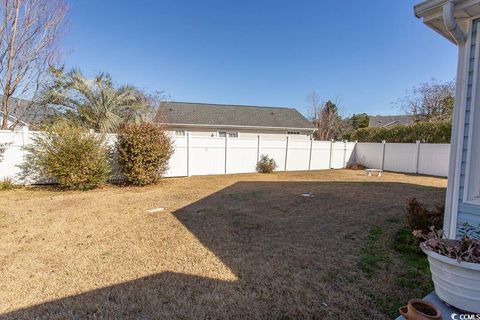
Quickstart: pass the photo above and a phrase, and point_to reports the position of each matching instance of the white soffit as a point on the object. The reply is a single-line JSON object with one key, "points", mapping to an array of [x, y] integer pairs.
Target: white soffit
{"points": [[431, 12]]}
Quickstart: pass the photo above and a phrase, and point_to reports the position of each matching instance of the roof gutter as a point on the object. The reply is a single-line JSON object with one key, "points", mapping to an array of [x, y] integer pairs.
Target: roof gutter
{"points": [[232, 126], [451, 23]]}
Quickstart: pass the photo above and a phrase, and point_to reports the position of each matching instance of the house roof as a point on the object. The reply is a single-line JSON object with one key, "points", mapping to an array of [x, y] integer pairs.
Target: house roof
{"points": [[431, 11], [222, 115], [28, 113], [387, 121], [12, 119]]}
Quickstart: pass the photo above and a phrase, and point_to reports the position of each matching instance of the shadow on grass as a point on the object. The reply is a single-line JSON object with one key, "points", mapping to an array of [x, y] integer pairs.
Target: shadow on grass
{"points": [[295, 257]]}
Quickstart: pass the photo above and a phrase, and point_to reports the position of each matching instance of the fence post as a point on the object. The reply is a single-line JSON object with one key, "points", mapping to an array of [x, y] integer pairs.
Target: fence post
{"points": [[286, 154], [310, 156], [25, 133], [344, 154], [258, 148], [383, 153], [188, 154], [331, 154], [417, 155], [226, 152]]}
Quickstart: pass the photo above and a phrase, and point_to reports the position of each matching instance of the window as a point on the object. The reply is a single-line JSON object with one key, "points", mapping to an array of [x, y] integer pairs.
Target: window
{"points": [[179, 133], [223, 134], [293, 132]]}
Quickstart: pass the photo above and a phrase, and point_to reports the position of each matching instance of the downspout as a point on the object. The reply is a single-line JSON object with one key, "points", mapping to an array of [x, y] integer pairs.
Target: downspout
{"points": [[451, 205], [451, 23]]}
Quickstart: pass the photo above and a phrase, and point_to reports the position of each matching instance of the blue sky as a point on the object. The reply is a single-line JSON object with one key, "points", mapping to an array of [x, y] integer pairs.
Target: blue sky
{"points": [[364, 54]]}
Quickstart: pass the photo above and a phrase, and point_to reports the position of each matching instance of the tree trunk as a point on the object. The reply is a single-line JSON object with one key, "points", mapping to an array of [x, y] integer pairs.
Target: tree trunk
{"points": [[8, 79]]}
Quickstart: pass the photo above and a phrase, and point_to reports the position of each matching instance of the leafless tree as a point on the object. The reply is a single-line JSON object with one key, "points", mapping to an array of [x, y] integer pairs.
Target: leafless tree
{"points": [[30, 31], [431, 101], [325, 118]]}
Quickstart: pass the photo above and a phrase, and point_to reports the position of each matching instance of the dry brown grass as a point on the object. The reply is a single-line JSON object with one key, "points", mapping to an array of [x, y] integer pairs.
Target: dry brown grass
{"points": [[237, 246]]}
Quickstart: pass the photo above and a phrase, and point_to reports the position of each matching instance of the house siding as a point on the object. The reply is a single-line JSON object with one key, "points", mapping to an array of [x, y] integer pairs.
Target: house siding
{"points": [[242, 133], [468, 212]]}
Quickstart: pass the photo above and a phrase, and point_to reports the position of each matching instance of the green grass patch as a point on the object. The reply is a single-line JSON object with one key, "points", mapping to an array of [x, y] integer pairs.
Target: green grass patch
{"points": [[409, 251], [374, 254], [415, 274], [393, 249]]}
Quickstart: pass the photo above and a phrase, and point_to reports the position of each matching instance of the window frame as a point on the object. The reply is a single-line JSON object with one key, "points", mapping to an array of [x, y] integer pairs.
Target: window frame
{"points": [[230, 134]]}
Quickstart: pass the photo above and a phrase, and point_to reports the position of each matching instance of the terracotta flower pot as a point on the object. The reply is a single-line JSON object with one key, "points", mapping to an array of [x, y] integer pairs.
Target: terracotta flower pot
{"points": [[417, 309]]}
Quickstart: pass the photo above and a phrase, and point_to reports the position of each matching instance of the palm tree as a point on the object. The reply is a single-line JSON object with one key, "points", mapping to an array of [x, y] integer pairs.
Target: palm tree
{"points": [[95, 103]]}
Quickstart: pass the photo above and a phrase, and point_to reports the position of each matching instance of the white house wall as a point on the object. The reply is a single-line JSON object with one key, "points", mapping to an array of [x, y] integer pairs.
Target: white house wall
{"points": [[243, 133]]}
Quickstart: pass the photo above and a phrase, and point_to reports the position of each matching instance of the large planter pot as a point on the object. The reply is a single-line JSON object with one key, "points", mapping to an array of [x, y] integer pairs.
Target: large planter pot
{"points": [[456, 283]]}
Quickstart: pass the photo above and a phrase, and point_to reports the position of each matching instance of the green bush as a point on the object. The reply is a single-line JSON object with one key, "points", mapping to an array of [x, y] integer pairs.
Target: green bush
{"points": [[427, 132], [7, 184], [70, 156], [266, 164], [144, 150], [421, 218]]}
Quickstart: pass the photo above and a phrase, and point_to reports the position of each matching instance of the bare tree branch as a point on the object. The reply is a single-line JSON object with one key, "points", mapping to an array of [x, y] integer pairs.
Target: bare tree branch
{"points": [[431, 101], [30, 31]]}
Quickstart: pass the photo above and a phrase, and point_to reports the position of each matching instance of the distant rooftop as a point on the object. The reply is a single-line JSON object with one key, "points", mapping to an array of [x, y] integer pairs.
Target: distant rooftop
{"points": [[390, 121], [205, 114]]}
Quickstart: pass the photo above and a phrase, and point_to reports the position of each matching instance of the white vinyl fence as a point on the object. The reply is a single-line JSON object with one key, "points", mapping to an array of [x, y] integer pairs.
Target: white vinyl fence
{"points": [[422, 158], [213, 155]]}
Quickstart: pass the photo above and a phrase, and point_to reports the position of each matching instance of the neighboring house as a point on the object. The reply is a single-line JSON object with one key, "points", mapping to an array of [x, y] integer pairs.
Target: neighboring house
{"points": [[234, 121], [463, 192], [390, 121], [26, 113], [12, 120]]}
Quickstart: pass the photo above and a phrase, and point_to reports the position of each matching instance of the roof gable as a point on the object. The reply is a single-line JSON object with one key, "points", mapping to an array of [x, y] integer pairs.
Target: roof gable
{"points": [[388, 121], [202, 114]]}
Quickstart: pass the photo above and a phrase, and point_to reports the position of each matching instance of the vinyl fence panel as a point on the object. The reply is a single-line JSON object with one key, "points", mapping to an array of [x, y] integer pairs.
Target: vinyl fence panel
{"points": [[400, 157], [242, 155], [370, 155], [194, 155], [433, 159], [320, 155], [207, 155], [338, 155], [178, 165], [298, 156], [275, 149]]}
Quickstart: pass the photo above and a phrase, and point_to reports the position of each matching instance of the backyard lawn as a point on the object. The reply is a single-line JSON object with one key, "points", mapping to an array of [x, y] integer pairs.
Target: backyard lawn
{"points": [[238, 246]]}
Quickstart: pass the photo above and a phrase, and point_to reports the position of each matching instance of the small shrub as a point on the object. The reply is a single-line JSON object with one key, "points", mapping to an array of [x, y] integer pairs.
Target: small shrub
{"points": [[70, 156], [421, 218], [266, 164], [7, 184], [144, 150], [356, 166]]}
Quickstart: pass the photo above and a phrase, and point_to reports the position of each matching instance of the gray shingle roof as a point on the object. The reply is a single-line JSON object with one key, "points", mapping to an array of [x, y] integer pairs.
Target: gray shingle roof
{"points": [[231, 115], [388, 121]]}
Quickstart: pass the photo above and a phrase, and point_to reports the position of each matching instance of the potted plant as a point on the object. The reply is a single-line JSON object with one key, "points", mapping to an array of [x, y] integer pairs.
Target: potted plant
{"points": [[455, 268]]}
